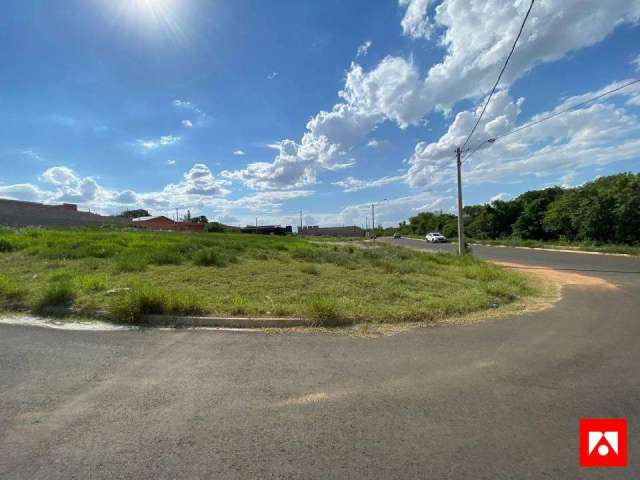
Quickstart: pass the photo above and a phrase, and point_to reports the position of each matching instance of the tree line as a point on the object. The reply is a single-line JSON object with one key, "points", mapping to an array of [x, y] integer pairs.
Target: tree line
{"points": [[606, 210]]}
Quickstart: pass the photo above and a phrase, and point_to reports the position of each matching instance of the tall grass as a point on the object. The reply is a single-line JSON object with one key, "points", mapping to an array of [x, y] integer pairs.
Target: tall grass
{"points": [[10, 291], [130, 306], [58, 293]]}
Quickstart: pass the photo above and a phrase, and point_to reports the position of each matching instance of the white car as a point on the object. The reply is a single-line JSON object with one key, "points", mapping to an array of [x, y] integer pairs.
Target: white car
{"points": [[435, 237]]}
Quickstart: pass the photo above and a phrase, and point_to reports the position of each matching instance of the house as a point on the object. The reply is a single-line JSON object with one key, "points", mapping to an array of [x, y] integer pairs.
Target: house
{"points": [[154, 222]]}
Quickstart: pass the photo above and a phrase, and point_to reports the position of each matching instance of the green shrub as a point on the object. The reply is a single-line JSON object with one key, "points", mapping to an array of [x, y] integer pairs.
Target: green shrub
{"points": [[56, 294], [211, 257], [7, 245]]}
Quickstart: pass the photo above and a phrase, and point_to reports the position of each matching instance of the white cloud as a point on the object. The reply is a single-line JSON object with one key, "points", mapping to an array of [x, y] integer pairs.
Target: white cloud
{"points": [[374, 143], [160, 142], [194, 109], [23, 191], [500, 197], [476, 36], [351, 184], [238, 152], [171, 162], [59, 176], [636, 62], [199, 180], [272, 75], [415, 23], [363, 49], [593, 135], [186, 105]]}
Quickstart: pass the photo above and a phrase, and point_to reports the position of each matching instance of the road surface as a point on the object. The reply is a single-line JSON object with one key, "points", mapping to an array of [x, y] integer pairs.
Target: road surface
{"points": [[499, 399]]}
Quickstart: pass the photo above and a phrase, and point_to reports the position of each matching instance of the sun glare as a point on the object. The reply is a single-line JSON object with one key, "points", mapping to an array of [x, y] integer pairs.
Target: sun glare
{"points": [[160, 16]]}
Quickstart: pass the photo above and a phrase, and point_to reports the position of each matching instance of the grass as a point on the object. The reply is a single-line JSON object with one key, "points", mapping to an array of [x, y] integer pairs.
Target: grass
{"points": [[247, 275], [559, 245], [58, 293]]}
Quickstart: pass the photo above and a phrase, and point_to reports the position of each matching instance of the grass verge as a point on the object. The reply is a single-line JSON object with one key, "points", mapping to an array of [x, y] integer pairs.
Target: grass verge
{"points": [[131, 273]]}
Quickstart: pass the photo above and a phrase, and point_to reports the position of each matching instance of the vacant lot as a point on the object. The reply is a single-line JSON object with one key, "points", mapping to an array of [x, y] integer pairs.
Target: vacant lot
{"points": [[129, 273]]}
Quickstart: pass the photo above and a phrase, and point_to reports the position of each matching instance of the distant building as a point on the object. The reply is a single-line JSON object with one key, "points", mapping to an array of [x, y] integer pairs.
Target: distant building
{"points": [[316, 231], [267, 229], [15, 213], [160, 222]]}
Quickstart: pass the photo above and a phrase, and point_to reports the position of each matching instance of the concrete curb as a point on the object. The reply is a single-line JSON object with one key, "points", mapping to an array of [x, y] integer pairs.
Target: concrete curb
{"points": [[237, 322], [561, 250], [179, 321]]}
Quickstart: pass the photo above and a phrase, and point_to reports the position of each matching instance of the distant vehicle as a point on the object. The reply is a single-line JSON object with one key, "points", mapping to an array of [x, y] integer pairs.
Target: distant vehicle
{"points": [[396, 236], [435, 237]]}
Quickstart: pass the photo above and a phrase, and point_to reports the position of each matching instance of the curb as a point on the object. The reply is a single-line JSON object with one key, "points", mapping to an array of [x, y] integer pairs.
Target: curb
{"points": [[585, 252], [186, 321], [237, 322]]}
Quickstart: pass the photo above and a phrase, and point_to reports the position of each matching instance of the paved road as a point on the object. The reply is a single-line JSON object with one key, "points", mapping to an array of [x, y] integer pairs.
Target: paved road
{"points": [[496, 400]]}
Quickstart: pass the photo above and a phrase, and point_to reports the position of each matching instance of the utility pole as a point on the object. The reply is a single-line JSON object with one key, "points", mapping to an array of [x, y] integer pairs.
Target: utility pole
{"points": [[256, 222], [300, 233], [177, 216], [461, 242], [373, 220]]}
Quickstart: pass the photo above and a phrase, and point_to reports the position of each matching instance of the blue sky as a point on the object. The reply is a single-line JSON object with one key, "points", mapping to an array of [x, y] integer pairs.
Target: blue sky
{"points": [[243, 109]]}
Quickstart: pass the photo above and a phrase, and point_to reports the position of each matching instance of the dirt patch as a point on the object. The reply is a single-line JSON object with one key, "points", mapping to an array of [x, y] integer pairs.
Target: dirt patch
{"points": [[561, 277]]}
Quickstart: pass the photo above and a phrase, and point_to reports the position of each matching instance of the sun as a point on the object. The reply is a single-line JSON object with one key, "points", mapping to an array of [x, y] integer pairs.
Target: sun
{"points": [[152, 16]]}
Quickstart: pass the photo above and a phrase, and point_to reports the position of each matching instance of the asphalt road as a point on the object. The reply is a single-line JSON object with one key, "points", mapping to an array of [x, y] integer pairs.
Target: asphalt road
{"points": [[495, 400]]}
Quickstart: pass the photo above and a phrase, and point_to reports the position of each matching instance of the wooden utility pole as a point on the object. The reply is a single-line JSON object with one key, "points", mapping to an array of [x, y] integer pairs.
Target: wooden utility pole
{"points": [[461, 242]]}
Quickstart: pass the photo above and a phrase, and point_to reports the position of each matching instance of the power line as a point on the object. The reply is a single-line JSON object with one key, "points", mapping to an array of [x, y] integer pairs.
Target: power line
{"points": [[513, 47], [553, 115]]}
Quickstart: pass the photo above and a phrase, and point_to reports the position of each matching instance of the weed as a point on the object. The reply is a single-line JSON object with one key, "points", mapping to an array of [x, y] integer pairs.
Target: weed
{"points": [[10, 290], [131, 262], [93, 283], [56, 293], [322, 309], [238, 305], [211, 257]]}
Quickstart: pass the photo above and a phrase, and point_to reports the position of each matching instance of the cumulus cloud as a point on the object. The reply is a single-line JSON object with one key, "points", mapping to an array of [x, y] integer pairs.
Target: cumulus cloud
{"points": [[396, 91], [199, 180], [238, 152], [593, 135], [23, 191], [187, 123], [416, 23], [59, 176]]}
